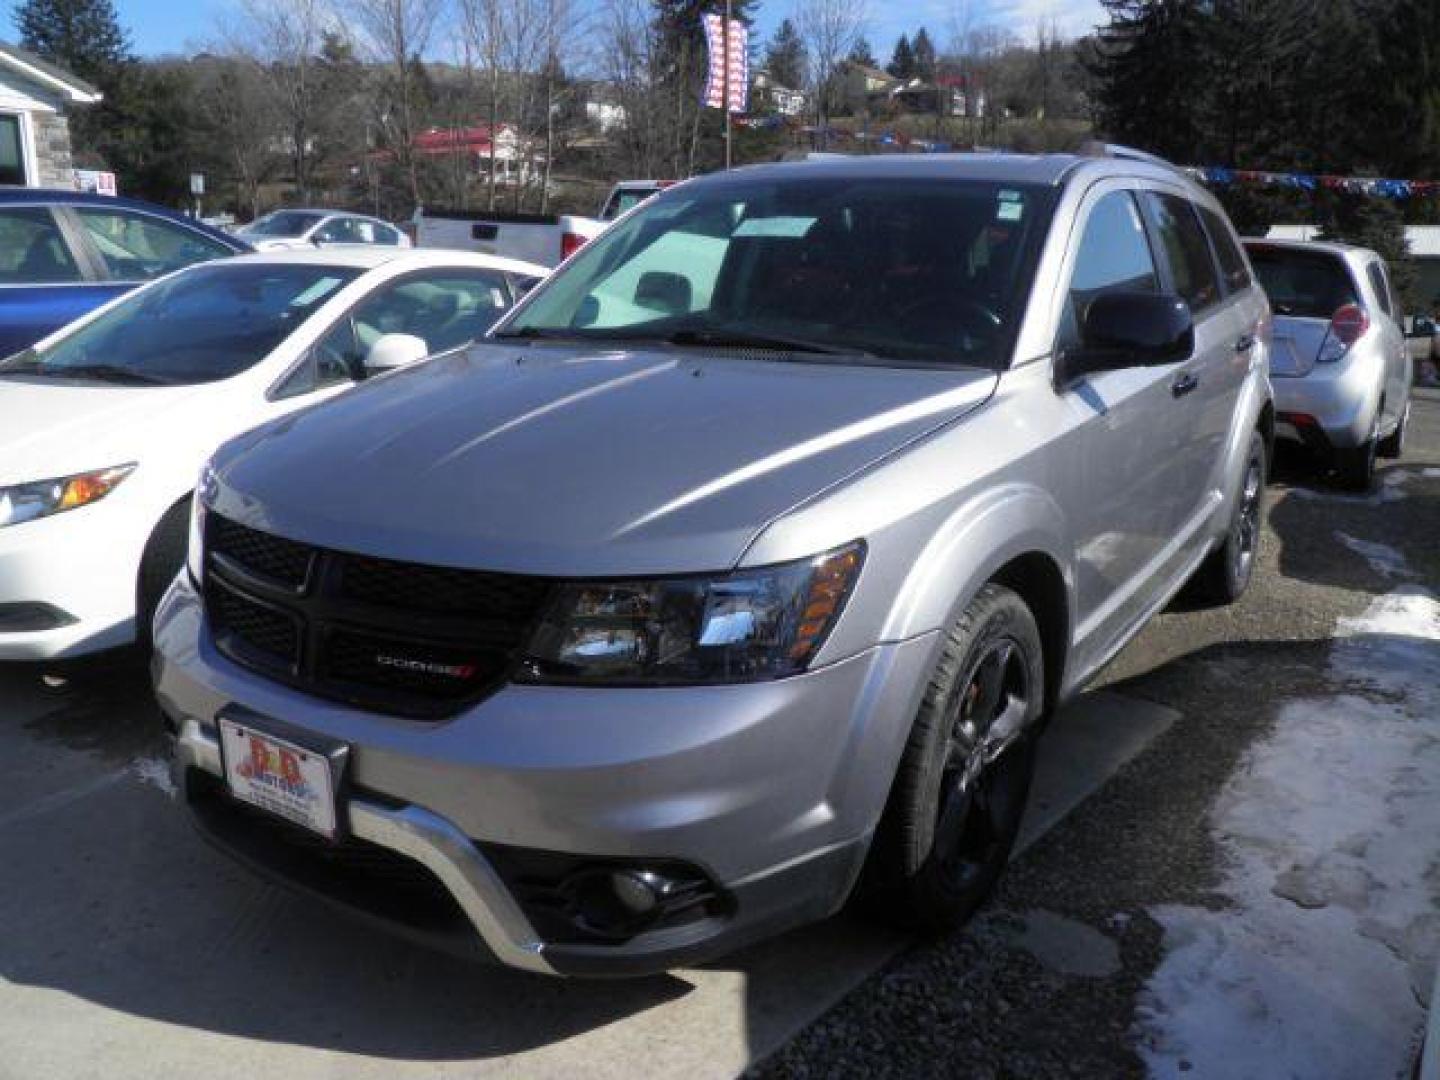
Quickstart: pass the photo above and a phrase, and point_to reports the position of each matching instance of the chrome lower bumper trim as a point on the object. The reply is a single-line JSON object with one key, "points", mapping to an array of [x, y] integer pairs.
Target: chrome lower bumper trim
{"points": [[430, 840]]}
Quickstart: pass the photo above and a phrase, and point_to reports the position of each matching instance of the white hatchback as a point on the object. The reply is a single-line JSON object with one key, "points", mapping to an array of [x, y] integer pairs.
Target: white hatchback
{"points": [[105, 424]]}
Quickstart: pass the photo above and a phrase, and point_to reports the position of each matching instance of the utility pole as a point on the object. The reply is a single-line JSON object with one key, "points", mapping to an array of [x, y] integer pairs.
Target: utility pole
{"points": [[729, 131]]}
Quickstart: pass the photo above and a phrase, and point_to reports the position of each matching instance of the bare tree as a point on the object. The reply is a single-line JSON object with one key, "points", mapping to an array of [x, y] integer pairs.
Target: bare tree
{"points": [[396, 34], [830, 29], [282, 38], [631, 64], [239, 114]]}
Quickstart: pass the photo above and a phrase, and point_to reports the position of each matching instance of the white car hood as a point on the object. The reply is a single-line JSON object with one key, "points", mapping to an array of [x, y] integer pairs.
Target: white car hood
{"points": [[50, 428]]}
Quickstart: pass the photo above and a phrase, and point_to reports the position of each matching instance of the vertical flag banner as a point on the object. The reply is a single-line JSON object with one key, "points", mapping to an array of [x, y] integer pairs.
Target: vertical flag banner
{"points": [[735, 61]]}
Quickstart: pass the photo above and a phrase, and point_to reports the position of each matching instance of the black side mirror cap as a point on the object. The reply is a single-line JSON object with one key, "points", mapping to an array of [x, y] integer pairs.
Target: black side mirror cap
{"points": [[1124, 329]]}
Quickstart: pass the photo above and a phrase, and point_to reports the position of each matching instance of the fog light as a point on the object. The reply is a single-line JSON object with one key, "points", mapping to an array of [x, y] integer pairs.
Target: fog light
{"points": [[639, 891]]}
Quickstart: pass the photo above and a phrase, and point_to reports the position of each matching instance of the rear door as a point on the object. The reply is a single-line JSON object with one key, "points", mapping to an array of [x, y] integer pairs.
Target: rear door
{"points": [[45, 282], [132, 247]]}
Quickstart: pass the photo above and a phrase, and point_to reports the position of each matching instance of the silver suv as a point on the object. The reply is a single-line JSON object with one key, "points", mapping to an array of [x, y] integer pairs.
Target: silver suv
{"points": [[738, 573]]}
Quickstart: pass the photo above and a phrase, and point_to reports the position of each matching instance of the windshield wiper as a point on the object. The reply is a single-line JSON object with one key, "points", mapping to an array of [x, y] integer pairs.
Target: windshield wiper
{"points": [[107, 373], [536, 333], [745, 339]]}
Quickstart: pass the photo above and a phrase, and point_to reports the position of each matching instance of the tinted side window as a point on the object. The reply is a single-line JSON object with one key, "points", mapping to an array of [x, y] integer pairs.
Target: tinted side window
{"points": [[1232, 261], [136, 247], [1184, 248], [32, 250], [1381, 285], [448, 308], [1113, 254]]}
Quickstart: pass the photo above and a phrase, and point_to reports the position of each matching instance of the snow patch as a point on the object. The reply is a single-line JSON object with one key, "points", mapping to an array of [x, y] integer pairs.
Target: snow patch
{"points": [[1390, 489], [1383, 558], [155, 772], [1321, 963]]}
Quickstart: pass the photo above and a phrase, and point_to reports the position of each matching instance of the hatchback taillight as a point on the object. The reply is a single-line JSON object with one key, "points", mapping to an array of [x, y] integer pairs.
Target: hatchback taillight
{"points": [[1349, 322]]}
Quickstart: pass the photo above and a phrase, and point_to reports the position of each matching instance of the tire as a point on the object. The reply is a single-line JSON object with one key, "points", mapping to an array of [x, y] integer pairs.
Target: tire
{"points": [[1225, 575], [163, 558], [1393, 445], [1355, 466], [961, 787]]}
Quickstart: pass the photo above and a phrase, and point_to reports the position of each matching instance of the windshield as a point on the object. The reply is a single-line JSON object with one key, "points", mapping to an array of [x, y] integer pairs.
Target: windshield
{"points": [[906, 269], [291, 223], [1302, 284], [204, 324]]}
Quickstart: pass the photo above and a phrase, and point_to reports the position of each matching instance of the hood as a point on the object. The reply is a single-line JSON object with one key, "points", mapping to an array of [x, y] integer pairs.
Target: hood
{"points": [[549, 460], [50, 428]]}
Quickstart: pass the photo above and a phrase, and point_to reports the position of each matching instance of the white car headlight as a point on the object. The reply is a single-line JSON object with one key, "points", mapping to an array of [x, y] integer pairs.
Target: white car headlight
{"points": [[42, 498]]}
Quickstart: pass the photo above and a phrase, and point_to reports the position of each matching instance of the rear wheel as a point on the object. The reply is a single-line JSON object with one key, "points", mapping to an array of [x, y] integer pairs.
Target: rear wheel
{"points": [[1224, 576], [1393, 445], [163, 558], [1355, 465], [960, 792]]}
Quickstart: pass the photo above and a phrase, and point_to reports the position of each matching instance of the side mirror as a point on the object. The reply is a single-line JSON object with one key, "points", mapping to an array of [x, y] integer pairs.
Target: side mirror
{"points": [[392, 351], [1124, 329]]}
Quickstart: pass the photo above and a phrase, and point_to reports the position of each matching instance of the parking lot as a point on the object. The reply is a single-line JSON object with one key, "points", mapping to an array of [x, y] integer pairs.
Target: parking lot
{"points": [[1231, 870]]}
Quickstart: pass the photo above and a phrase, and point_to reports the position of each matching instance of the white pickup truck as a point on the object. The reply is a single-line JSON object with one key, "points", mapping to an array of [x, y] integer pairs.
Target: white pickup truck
{"points": [[545, 239]]}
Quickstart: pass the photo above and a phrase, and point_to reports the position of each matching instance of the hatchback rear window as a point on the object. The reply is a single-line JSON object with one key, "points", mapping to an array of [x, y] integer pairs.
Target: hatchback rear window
{"points": [[1302, 284]]}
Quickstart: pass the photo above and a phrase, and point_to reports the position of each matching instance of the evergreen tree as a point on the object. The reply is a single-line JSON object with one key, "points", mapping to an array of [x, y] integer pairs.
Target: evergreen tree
{"points": [[83, 36], [924, 51], [785, 56], [861, 54], [902, 62], [1148, 82]]}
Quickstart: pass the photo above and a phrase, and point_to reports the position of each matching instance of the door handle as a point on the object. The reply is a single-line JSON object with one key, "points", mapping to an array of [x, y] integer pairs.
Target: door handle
{"points": [[1183, 384], [1244, 343]]}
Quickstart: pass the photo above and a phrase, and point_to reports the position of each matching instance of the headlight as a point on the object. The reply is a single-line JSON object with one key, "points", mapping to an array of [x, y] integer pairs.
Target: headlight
{"points": [[26, 502], [199, 506], [741, 627]]}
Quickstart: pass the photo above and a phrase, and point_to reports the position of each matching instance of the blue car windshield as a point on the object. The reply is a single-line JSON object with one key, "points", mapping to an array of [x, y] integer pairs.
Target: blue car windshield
{"points": [[204, 324], [908, 270]]}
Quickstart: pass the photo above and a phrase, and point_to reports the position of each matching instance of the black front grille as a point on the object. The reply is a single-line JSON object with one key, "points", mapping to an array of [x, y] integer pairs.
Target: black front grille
{"points": [[272, 557], [402, 638]]}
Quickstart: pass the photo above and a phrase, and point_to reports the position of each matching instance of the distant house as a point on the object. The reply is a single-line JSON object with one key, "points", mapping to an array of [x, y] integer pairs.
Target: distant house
{"points": [[860, 84], [769, 94], [35, 98]]}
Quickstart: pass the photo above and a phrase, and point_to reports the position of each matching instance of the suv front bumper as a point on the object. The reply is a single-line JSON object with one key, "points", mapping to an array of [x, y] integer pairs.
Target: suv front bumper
{"points": [[770, 791]]}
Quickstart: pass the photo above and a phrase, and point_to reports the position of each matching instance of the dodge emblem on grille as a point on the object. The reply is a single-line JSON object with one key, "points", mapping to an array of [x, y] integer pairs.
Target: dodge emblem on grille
{"points": [[426, 667]]}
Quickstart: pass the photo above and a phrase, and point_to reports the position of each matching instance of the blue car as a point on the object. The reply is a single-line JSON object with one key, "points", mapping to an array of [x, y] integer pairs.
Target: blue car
{"points": [[64, 253]]}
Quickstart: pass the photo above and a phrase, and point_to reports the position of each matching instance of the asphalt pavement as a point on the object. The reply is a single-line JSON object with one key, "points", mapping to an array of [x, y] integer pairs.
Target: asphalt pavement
{"points": [[130, 949]]}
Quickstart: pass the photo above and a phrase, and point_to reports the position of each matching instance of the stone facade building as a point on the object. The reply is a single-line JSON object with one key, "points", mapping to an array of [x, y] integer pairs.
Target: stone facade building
{"points": [[35, 98]]}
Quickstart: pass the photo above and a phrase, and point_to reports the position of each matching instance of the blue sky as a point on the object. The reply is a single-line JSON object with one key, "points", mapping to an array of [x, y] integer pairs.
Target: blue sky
{"points": [[169, 26]]}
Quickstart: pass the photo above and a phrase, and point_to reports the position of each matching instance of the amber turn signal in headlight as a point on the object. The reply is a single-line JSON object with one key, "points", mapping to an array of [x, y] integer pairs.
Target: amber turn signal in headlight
{"points": [[26, 502]]}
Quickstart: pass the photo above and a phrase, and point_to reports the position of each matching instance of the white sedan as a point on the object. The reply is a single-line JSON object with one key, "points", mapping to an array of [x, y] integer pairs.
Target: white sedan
{"points": [[104, 425], [295, 230]]}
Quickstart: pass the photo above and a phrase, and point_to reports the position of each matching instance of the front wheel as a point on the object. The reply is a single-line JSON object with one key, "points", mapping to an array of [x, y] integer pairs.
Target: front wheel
{"points": [[163, 558], [961, 788]]}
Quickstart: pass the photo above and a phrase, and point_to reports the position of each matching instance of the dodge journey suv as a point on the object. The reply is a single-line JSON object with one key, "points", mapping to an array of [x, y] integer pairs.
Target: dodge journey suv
{"points": [[738, 572]]}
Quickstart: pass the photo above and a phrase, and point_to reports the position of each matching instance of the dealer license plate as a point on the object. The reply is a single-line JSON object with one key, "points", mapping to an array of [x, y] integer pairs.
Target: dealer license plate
{"points": [[277, 775]]}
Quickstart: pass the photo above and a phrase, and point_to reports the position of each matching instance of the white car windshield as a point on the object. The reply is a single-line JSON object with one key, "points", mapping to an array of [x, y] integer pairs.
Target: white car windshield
{"points": [[904, 269], [283, 224], [205, 324]]}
